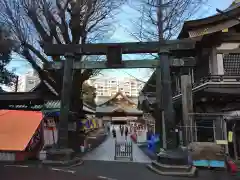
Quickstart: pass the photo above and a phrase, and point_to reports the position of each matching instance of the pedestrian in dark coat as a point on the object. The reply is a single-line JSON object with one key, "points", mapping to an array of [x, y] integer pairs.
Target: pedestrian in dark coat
{"points": [[126, 132], [121, 130], [114, 132]]}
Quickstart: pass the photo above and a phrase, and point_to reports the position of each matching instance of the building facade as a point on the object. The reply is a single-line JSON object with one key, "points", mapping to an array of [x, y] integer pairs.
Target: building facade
{"points": [[215, 83], [109, 86], [28, 81]]}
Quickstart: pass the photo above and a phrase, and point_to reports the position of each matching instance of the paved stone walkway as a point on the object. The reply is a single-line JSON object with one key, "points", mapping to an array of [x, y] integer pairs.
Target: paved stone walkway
{"points": [[105, 152]]}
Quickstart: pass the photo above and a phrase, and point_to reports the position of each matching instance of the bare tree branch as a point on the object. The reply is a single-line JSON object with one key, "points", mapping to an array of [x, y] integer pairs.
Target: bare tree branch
{"points": [[58, 21], [175, 13]]}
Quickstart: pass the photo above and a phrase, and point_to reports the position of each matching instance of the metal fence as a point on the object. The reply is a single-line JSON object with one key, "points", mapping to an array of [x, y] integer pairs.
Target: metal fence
{"points": [[123, 150]]}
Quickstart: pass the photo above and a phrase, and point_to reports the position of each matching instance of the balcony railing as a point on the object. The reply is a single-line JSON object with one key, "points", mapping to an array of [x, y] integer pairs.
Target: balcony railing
{"points": [[213, 78], [216, 78]]}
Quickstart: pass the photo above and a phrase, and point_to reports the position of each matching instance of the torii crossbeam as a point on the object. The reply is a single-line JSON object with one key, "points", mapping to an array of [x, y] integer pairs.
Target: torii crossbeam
{"points": [[169, 56]]}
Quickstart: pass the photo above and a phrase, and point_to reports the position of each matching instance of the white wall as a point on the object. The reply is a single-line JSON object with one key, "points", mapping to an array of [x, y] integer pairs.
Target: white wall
{"points": [[28, 81], [4, 156], [49, 136]]}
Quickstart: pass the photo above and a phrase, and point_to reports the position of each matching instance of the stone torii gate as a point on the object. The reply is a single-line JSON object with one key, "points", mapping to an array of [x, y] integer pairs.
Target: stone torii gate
{"points": [[173, 53]]}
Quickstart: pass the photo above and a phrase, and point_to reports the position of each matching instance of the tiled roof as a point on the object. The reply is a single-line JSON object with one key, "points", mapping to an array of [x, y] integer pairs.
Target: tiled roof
{"points": [[213, 28], [17, 128], [235, 4], [52, 105], [116, 95], [211, 24], [56, 104], [35, 107]]}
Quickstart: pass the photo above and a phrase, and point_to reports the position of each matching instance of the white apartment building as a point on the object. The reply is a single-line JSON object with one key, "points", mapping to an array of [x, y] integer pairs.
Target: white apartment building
{"points": [[109, 86], [28, 81]]}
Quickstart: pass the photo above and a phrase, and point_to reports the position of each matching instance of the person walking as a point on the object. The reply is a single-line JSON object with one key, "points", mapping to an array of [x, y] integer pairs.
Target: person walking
{"points": [[108, 129], [121, 130], [126, 132], [114, 132]]}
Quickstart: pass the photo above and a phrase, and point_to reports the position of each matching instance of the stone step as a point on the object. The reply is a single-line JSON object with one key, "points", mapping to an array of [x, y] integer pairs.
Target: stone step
{"points": [[191, 173], [172, 168]]}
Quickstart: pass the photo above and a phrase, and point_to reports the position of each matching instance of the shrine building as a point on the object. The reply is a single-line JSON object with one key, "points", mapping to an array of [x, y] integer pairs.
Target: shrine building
{"points": [[119, 109]]}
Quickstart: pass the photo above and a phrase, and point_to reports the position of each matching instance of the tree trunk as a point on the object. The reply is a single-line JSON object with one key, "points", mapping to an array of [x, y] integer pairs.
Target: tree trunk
{"points": [[158, 122], [77, 114]]}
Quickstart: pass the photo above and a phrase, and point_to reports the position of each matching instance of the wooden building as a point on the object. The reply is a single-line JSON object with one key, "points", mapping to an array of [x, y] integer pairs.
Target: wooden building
{"points": [[118, 109], [215, 79], [51, 112], [45, 100]]}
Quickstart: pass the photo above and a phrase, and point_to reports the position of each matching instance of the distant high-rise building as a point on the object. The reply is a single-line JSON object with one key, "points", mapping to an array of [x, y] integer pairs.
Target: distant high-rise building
{"points": [[107, 87], [28, 81]]}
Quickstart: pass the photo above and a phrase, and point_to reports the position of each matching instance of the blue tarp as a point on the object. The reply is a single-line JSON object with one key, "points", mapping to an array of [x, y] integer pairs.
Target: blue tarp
{"points": [[152, 142], [209, 163]]}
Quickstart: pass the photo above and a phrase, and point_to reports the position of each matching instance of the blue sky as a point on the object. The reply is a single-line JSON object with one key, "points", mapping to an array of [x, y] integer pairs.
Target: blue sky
{"points": [[122, 35]]}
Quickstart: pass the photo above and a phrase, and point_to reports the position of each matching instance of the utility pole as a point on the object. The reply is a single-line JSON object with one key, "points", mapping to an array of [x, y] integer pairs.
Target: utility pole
{"points": [[165, 110]]}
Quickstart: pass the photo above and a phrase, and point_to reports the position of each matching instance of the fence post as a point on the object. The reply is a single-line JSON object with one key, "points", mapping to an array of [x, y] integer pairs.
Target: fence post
{"points": [[115, 150], [131, 151], [195, 129], [225, 134]]}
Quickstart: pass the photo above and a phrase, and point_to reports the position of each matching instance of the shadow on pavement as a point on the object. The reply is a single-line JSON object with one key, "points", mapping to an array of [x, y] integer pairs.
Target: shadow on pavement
{"points": [[130, 171], [35, 173], [90, 170]]}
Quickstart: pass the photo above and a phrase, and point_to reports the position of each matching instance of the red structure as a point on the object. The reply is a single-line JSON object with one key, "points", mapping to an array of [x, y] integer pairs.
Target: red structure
{"points": [[20, 135]]}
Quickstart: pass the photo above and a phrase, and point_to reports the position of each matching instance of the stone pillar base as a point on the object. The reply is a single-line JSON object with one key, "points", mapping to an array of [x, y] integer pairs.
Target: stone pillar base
{"points": [[61, 157], [173, 157]]}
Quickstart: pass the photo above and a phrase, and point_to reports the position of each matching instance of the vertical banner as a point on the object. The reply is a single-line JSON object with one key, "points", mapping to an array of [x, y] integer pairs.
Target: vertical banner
{"points": [[230, 136]]}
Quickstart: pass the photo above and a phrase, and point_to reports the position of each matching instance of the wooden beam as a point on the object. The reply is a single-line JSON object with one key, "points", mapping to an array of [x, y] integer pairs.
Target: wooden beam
{"points": [[228, 51], [22, 107], [229, 37], [25, 96], [127, 48], [175, 62]]}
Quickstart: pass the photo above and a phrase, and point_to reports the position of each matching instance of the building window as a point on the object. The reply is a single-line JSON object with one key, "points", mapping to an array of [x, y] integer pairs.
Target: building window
{"points": [[30, 82], [231, 64]]}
